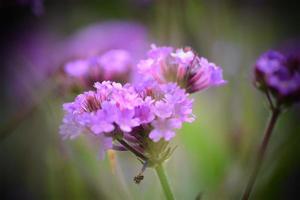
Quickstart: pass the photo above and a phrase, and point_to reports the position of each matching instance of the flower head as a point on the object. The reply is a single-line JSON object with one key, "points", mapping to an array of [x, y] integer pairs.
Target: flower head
{"points": [[115, 111], [102, 51], [182, 66], [115, 64], [279, 74]]}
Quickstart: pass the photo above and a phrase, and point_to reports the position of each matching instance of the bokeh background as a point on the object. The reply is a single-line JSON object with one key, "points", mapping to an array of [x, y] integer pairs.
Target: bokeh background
{"points": [[214, 154]]}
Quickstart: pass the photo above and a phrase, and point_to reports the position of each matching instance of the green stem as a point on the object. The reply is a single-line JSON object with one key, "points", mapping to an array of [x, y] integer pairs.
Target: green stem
{"points": [[261, 152], [164, 182]]}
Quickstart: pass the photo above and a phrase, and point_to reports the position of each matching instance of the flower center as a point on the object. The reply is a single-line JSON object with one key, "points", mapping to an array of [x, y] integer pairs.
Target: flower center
{"points": [[91, 104]]}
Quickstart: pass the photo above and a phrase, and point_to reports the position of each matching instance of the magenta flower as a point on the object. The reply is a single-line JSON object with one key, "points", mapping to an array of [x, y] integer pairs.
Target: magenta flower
{"points": [[183, 67]]}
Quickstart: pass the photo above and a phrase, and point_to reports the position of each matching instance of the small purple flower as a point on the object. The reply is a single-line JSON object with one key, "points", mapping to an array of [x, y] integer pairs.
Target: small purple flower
{"points": [[279, 74], [162, 109], [183, 67], [164, 129], [126, 120], [100, 123], [144, 112], [270, 62]]}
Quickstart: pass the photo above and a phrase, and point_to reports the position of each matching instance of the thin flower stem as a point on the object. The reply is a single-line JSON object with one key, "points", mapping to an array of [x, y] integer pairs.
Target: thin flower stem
{"points": [[133, 150], [164, 182], [270, 100], [261, 152]]}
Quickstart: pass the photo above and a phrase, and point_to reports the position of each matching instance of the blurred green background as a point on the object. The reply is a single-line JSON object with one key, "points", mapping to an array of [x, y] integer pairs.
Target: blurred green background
{"points": [[214, 154]]}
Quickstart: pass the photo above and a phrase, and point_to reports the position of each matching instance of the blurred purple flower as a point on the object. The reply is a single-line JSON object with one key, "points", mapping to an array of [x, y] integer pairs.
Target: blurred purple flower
{"points": [[279, 74], [99, 38], [105, 51], [37, 57], [113, 65]]}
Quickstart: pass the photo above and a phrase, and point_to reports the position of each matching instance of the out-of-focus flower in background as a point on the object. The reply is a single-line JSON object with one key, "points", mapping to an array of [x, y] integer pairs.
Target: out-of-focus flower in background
{"points": [[98, 38], [279, 74], [40, 57], [104, 51], [115, 65]]}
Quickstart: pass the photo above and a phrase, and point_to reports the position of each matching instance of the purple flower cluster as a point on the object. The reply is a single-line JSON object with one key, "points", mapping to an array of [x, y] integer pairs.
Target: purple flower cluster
{"points": [[112, 65], [279, 74], [114, 110], [182, 66], [142, 116], [101, 52]]}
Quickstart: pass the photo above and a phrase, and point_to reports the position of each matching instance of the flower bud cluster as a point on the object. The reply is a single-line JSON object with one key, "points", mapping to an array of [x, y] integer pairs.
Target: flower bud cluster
{"points": [[183, 67], [279, 75]]}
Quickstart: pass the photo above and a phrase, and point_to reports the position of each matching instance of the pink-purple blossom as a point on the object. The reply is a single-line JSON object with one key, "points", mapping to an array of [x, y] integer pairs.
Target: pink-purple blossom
{"points": [[114, 109], [164, 128]]}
